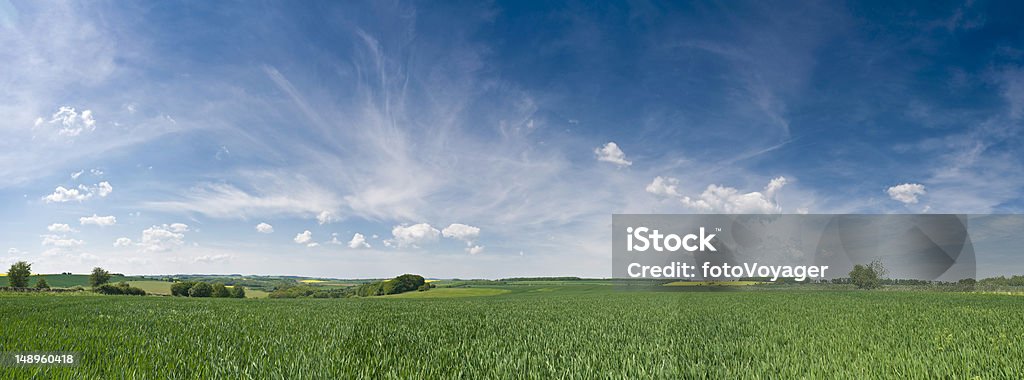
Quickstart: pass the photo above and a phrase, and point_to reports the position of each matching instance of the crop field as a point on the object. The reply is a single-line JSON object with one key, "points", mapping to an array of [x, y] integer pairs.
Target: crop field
{"points": [[578, 331]]}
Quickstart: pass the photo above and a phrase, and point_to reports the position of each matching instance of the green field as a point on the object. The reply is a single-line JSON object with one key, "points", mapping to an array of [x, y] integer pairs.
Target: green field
{"points": [[526, 332], [71, 280]]}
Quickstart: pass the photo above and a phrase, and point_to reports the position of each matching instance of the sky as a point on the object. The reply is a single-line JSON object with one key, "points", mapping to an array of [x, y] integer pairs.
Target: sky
{"points": [[483, 139]]}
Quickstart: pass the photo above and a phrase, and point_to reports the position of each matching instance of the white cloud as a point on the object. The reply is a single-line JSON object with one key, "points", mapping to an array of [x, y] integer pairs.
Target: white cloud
{"points": [[179, 227], [101, 221], [414, 235], [211, 258], [906, 193], [103, 189], [303, 238], [59, 227], [122, 242], [77, 174], [729, 200], [162, 238], [326, 217], [283, 195], [69, 122], [462, 232], [313, 244], [60, 195], [358, 241], [610, 152], [664, 186], [475, 249], [62, 242], [264, 228]]}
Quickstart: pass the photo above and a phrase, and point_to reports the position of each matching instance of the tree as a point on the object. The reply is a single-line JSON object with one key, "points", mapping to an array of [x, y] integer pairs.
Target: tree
{"points": [[221, 291], [200, 289], [181, 288], [17, 276], [98, 277], [41, 284], [868, 276], [238, 291]]}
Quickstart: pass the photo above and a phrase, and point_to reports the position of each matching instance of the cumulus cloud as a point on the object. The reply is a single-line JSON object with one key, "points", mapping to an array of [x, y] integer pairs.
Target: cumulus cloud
{"points": [[462, 232], [664, 186], [77, 174], [475, 249], [264, 228], [59, 227], [122, 242], [69, 122], [103, 189], [61, 194], [101, 221], [414, 235], [728, 200], [163, 237], [610, 152], [906, 193], [358, 241], [303, 238], [325, 217]]}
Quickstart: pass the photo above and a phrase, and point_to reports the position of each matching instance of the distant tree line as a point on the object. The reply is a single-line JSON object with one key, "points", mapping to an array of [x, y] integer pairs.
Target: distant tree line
{"points": [[201, 289], [400, 284]]}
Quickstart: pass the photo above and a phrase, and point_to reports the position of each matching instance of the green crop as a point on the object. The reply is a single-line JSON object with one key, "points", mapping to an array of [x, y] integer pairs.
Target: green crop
{"points": [[582, 332]]}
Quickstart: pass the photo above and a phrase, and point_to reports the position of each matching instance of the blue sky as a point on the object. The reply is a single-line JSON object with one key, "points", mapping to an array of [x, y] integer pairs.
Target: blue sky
{"points": [[482, 139]]}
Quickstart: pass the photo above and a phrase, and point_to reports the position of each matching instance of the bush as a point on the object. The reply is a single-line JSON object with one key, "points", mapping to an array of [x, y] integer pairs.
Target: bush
{"points": [[98, 277], [41, 284], [17, 276], [221, 291], [200, 289], [181, 289], [119, 289], [238, 291]]}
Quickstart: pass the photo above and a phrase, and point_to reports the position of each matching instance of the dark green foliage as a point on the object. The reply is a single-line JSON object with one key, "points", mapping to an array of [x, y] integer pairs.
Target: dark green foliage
{"points": [[238, 291], [220, 291], [181, 289], [200, 289], [867, 276], [98, 277], [121, 288], [41, 284], [17, 276]]}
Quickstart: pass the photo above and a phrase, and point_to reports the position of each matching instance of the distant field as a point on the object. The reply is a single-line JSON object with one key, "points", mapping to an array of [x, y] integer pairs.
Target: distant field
{"points": [[526, 332], [452, 293], [713, 283], [69, 280]]}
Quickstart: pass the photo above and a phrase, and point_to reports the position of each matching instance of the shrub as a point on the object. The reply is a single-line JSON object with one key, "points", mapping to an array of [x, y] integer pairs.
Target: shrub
{"points": [[120, 288], [220, 291], [238, 291], [41, 284], [181, 289], [200, 289]]}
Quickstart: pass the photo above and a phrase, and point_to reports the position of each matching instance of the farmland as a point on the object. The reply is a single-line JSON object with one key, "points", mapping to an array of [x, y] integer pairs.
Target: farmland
{"points": [[575, 331]]}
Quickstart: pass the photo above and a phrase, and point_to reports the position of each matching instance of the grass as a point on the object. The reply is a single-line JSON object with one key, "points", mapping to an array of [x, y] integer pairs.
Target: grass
{"points": [[561, 332]]}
